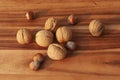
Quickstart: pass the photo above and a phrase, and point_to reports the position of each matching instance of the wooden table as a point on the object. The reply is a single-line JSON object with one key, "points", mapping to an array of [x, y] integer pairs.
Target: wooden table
{"points": [[94, 58]]}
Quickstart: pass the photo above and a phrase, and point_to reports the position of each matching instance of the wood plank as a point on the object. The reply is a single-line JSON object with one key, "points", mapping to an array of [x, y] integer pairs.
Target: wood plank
{"points": [[104, 64], [83, 7], [88, 62], [18, 19], [81, 36], [58, 77], [94, 58]]}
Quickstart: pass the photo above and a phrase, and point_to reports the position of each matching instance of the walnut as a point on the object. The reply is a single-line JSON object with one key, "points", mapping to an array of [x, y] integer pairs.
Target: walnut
{"points": [[24, 36], [56, 52], [44, 38], [63, 34], [51, 24], [96, 28]]}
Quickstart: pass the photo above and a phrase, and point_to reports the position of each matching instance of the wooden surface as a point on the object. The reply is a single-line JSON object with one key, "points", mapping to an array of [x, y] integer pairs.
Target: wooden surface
{"points": [[94, 59]]}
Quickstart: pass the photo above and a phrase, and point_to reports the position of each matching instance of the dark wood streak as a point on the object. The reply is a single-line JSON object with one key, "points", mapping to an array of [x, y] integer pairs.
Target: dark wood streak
{"points": [[110, 39], [78, 72], [113, 63]]}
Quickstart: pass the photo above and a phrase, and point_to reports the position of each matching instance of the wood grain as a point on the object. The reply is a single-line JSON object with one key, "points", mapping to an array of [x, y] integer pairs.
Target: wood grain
{"points": [[94, 58]]}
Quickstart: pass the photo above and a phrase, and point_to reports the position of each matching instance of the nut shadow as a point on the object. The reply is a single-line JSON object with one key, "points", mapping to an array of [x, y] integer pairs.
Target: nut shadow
{"points": [[45, 64], [39, 14]]}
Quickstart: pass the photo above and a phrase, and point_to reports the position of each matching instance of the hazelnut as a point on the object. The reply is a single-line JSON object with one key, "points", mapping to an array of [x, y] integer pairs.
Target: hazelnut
{"points": [[72, 19], [29, 15], [63, 34], [56, 52], [34, 65], [38, 57], [71, 45], [96, 28], [24, 36], [44, 38], [51, 24]]}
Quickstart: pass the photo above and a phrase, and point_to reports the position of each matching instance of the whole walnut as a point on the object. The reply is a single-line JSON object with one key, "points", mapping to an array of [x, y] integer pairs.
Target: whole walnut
{"points": [[51, 24], [96, 28], [56, 52], [63, 34], [23, 36], [44, 38]]}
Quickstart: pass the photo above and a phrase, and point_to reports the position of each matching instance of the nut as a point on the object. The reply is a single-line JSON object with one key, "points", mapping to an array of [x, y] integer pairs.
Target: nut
{"points": [[71, 45], [24, 36], [96, 28], [72, 19], [56, 52], [38, 57], [51, 24], [34, 65], [44, 38], [29, 15], [63, 34]]}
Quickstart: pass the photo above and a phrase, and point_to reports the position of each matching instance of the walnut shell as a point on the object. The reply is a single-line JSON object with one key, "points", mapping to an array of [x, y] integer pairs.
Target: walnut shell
{"points": [[51, 24], [24, 36], [96, 28], [56, 52], [63, 34], [44, 38]]}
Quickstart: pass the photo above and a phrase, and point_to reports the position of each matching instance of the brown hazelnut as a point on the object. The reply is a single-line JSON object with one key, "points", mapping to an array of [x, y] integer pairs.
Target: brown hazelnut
{"points": [[44, 38], [96, 28], [29, 15], [24, 36], [71, 45], [56, 52], [51, 24], [63, 34], [38, 57], [34, 65], [72, 19]]}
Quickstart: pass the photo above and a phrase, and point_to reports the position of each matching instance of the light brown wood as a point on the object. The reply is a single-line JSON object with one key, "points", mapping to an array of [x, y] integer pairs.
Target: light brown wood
{"points": [[94, 58]]}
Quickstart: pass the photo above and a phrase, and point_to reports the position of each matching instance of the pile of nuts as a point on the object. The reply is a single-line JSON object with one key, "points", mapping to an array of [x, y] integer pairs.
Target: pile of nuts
{"points": [[46, 38]]}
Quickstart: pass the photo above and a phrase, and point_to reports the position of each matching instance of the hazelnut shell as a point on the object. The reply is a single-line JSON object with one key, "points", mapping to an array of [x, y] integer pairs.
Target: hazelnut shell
{"points": [[29, 15], [72, 19], [70, 45], [38, 57], [34, 65]]}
